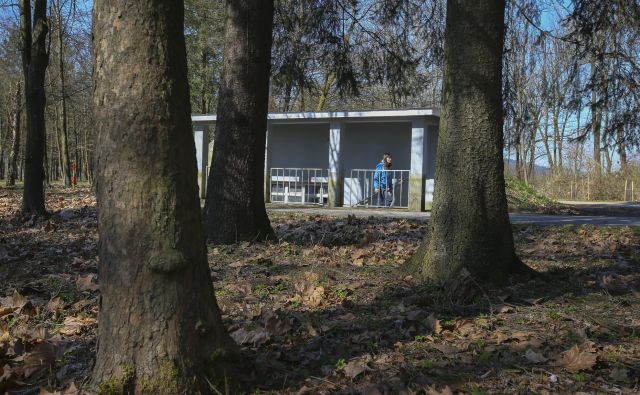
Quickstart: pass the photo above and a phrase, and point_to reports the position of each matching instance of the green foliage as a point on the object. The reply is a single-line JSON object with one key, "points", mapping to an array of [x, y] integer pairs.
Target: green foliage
{"points": [[522, 197], [426, 364], [579, 377], [475, 389]]}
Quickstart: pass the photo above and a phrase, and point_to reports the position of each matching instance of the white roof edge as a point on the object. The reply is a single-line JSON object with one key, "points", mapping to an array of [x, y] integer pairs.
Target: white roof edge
{"points": [[281, 116]]}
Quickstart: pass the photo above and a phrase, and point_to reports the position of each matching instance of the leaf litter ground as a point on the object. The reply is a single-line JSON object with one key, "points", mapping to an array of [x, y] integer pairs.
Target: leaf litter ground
{"points": [[328, 308]]}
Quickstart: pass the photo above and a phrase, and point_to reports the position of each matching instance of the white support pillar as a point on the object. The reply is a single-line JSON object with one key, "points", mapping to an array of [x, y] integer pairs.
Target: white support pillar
{"points": [[201, 137], [267, 169], [335, 164], [418, 165], [430, 147]]}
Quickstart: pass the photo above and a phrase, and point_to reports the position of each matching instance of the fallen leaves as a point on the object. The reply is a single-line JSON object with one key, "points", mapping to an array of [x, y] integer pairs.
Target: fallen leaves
{"points": [[575, 360], [308, 291], [77, 325], [86, 283], [255, 337], [354, 368], [535, 357], [444, 391], [71, 390]]}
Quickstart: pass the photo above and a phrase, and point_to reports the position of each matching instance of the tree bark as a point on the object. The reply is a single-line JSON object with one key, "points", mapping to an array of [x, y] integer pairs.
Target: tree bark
{"points": [[160, 327], [469, 227], [622, 150], [35, 60], [234, 208], [15, 138], [596, 118], [64, 130]]}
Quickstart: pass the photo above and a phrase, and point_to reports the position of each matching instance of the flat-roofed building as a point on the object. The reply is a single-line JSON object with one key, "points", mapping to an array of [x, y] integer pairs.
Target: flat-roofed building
{"points": [[330, 157]]}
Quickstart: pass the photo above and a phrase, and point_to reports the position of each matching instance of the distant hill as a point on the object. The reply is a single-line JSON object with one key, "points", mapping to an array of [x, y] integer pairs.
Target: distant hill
{"points": [[510, 164]]}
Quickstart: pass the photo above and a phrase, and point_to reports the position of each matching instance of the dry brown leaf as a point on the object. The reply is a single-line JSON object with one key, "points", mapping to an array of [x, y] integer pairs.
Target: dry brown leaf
{"points": [[464, 327], [359, 253], [40, 359], [76, 325], [501, 337], [434, 324], [534, 356], [354, 368], [358, 262], [255, 337], [446, 349], [276, 324], [505, 309], [535, 301], [521, 336], [237, 264], [4, 310], [619, 374], [445, 391], [18, 300], [310, 294], [55, 305], [575, 360], [315, 299], [85, 283]]}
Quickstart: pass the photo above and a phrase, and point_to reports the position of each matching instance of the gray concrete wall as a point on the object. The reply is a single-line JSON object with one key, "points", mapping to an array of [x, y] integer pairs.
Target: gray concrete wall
{"points": [[364, 144], [299, 145]]}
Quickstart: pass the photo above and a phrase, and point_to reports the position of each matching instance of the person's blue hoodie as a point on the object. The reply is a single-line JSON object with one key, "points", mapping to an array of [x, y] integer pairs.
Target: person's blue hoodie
{"points": [[381, 178]]}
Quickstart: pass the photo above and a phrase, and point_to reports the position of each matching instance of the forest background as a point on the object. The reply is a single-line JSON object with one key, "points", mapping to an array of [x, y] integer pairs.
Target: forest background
{"points": [[571, 73]]}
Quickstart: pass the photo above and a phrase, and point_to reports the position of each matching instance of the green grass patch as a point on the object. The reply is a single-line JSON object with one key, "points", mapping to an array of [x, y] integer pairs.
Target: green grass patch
{"points": [[522, 197]]}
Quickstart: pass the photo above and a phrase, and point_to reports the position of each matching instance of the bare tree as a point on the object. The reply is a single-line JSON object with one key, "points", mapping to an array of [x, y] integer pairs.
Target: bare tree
{"points": [[15, 138], [35, 59]]}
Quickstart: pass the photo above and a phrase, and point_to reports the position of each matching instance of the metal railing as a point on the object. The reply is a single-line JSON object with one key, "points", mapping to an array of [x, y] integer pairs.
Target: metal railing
{"points": [[360, 188], [299, 185]]}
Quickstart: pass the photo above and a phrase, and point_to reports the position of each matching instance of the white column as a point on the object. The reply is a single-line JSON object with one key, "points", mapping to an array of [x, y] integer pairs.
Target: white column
{"points": [[201, 137], [430, 146], [418, 170], [335, 164], [267, 169]]}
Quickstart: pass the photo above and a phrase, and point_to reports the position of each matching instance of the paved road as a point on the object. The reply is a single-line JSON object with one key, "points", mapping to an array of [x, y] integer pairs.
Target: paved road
{"points": [[539, 219]]}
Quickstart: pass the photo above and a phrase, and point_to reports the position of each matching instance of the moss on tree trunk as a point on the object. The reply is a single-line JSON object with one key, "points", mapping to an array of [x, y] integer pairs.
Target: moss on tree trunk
{"points": [[160, 329], [469, 227]]}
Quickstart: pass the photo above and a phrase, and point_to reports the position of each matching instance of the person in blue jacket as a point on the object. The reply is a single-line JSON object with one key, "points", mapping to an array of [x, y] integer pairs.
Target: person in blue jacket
{"points": [[383, 182]]}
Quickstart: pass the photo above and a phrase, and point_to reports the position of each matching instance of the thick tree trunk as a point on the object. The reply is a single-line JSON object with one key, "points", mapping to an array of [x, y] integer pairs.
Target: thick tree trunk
{"points": [[234, 209], [35, 60], [160, 328], [469, 226], [15, 138]]}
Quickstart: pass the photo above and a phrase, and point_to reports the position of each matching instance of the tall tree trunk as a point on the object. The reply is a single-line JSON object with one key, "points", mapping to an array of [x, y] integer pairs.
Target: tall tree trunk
{"points": [[160, 328], [204, 109], [622, 150], [329, 79], [15, 138], [64, 132], [596, 117], [607, 153], [469, 227], [35, 60], [544, 136], [234, 208]]}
